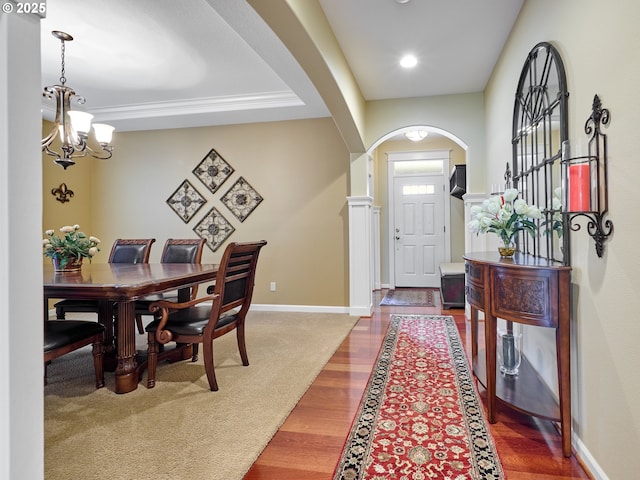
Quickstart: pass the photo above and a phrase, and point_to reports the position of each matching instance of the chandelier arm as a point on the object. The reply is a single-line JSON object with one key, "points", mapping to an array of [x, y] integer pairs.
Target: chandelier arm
{"points": [[48, 140], [105, 154]]}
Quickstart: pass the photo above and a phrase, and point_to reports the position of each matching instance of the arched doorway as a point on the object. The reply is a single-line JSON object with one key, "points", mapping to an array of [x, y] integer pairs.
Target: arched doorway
{"points": [[382, 192]]}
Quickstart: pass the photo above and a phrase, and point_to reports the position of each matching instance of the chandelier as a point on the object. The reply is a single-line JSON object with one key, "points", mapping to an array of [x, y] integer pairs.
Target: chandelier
{"points": [[72, 127]]}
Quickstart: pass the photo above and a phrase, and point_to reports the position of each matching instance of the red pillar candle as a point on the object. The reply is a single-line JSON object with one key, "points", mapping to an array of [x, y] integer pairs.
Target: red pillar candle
{"points": [[579, 188]]}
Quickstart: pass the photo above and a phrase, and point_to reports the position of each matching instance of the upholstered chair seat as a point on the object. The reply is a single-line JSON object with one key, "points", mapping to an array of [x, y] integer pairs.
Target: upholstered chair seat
{"points": [[64, 336]]}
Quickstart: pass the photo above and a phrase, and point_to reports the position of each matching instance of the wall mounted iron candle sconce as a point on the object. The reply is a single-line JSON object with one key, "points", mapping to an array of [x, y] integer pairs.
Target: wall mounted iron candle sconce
{"points": [[586, 188]]}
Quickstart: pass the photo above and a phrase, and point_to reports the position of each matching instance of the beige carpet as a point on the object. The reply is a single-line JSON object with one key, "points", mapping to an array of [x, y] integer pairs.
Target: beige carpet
{"points": [[180, 429]]}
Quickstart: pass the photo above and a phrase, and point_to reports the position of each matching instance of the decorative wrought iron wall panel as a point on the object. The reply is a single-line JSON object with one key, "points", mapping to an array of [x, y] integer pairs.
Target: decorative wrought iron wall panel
{"points": [[215, 228], [213, 171], [186, 201], [241, 199]]}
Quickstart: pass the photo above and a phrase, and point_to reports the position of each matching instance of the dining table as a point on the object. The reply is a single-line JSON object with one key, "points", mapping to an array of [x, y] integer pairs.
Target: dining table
{"points": [[116, 287]]}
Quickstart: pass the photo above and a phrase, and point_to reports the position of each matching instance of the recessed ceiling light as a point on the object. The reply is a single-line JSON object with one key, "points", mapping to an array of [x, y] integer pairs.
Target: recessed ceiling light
{"points": [[408, 61], [402, 1]]}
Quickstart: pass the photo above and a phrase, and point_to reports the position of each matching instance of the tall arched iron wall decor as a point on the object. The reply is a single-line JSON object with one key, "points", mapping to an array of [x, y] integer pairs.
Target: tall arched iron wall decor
{"points": [[540, 129]]}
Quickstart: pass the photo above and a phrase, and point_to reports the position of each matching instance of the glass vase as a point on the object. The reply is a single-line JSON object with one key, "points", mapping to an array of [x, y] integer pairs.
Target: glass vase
{"points": [[507, 248], [509, 348]]}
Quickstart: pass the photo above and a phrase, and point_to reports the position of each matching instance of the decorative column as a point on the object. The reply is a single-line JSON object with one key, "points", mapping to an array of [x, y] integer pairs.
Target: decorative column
{"points": [[360, 256], [473, 242], [376, 248]]}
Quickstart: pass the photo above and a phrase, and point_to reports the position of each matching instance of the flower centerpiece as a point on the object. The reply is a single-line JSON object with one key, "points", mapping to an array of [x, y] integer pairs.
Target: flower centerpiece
{"points": [[505, 215], [68, 250]]}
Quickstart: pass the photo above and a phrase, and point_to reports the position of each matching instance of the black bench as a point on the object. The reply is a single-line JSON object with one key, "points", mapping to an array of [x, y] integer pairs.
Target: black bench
{"points": [[452, 285]]}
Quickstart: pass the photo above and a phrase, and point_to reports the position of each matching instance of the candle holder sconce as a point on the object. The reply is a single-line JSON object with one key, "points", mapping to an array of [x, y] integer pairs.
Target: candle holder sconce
{"points": [[585, 180]]}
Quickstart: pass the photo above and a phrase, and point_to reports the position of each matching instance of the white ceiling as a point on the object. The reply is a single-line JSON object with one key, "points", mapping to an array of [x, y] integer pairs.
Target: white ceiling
{"points": [[151, 64]]}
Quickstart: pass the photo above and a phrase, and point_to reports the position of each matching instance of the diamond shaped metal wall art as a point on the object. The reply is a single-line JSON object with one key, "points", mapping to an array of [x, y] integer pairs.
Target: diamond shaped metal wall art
{"points": [[241, 199], [186, 201], [214, 228], [213, 170]]}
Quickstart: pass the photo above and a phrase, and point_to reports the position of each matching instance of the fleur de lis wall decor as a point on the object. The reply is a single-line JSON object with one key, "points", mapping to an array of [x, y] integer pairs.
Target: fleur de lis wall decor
{"points": [[62, 193]]}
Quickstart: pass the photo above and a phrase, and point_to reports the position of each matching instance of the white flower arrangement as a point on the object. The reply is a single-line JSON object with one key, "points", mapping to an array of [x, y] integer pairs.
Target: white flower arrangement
{"points": [[72, 244], [505, 215]]}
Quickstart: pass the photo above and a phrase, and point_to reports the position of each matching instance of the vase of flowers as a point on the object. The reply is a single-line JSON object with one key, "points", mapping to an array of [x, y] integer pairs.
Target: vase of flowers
{"points": [[69, 249], [505, 215]]}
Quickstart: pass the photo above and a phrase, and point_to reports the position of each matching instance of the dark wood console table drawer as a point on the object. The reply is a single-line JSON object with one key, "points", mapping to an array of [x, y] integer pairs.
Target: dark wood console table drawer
{"points": [[474, 273], [475, 295], [525, 296]]}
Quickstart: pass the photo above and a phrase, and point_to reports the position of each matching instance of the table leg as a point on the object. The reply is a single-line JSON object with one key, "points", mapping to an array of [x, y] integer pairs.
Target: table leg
{"points": [[474, 335], [184, 295], [126, 371], [490, 333], [105, 317], [563, 352]]}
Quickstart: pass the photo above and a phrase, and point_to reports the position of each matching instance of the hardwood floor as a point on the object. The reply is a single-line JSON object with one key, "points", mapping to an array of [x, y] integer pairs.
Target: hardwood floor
{"points": [[309, 443]]}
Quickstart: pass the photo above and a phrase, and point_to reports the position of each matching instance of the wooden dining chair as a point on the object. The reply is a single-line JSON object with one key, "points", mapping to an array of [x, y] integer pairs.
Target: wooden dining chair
{"points": [[204, 319], [65, 336], [122, 251], [186, 250]]}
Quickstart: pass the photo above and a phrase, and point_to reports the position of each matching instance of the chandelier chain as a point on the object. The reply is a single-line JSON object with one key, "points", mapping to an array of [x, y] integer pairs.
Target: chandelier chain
{"points": [[63, 79]]}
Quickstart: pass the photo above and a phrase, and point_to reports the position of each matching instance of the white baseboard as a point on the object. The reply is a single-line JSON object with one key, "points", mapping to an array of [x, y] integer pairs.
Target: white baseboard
{"points": [[258, 307], [588, 461]]}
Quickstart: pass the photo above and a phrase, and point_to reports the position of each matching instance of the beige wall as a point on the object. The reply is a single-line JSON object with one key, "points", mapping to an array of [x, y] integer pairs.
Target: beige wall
{"points": [[598, 43], [300, 168], [459, 116], [78, 209]]}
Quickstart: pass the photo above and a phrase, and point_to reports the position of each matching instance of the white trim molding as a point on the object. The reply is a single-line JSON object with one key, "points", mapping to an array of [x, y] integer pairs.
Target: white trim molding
{"points": [[473, 242], [264, 307], [360, 256], [376, 248]]}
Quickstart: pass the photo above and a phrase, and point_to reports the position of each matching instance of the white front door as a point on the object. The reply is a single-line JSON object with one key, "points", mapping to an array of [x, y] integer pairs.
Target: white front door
{"points": [[419, 230]]}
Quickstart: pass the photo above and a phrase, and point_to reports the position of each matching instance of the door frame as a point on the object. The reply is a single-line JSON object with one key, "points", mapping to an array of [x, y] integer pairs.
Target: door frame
{"points": [[392, 157]]}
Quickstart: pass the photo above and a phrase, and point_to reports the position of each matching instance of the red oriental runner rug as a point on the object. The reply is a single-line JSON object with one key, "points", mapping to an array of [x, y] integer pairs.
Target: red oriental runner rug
{"points": [[421, 416]]}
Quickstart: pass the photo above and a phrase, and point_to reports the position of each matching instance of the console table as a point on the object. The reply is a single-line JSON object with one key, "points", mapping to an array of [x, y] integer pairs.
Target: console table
{"points": [[533, 291]]}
